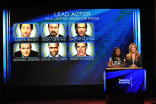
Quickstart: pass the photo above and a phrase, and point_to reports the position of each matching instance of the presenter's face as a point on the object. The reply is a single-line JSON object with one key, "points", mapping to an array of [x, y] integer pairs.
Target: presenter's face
{"points": [[117, 52], [53, 29], [81, 29], [25, 30], [25, 49], [133, 49], [81, 49], [53, 49]]}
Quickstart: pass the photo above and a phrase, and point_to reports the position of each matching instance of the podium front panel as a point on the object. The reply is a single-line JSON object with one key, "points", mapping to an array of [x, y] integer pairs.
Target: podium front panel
{"points": [[124, 81]]}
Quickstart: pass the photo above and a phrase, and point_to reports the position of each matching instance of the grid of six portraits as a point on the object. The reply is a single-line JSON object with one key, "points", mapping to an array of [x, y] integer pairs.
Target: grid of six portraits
{"points": [[54, 44]]}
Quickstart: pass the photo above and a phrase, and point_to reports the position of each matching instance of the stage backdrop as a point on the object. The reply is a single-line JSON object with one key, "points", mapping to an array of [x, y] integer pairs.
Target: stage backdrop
{"points": [[106, 29]]}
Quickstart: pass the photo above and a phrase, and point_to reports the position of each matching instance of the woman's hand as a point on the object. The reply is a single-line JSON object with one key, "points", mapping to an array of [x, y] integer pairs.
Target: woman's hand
{"points": [[133, 66], [116, 66]]}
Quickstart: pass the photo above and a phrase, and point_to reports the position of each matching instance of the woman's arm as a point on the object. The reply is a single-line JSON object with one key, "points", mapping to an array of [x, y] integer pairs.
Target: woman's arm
{"points": [[128, 63], [124, 65], [140, 61], [109, 65]]}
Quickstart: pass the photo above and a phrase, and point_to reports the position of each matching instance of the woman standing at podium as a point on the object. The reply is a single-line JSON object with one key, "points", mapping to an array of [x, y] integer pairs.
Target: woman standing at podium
{"points": [[133, 58], [117, 60]]}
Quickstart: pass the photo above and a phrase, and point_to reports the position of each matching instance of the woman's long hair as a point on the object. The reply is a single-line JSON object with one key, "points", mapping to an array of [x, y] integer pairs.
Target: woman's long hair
{"points": [[129, 55], [113, 55]]}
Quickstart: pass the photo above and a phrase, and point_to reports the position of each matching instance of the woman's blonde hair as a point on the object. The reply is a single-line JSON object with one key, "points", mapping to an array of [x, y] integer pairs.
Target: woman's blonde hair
{"points": [[129, 55]]}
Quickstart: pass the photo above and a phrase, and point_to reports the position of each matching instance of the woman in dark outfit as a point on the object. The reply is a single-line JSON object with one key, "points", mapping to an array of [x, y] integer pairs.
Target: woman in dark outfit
{"points": [[117, 60], [133, 58]]}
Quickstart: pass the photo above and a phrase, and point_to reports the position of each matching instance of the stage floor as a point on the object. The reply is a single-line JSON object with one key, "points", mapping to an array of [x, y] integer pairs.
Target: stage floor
{"points": [[147, 100]]}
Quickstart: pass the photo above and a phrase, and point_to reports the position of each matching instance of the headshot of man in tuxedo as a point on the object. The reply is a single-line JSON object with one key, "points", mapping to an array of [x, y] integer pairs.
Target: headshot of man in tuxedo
{"points": [[25, 51]]}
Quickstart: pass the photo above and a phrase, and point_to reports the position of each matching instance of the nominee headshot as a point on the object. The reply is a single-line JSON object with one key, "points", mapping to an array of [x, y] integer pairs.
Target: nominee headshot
{"points": [[81, 30], [25, 30], [53, 49], [26, 50], [53, 30], [81, 49]]}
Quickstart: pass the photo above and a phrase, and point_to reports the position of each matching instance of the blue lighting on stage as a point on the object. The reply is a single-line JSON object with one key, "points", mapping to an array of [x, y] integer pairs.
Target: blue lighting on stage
{"points": [[4, 46], [111, 28], [125, 81], [137, 29]]}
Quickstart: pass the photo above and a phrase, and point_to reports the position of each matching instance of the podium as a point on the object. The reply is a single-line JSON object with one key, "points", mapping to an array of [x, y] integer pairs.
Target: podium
{"points": [[124, 85]]}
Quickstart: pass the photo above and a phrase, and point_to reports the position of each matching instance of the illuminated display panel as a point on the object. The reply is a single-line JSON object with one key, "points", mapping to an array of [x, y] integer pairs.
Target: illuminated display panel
{"points": [[107, 28], [124, 81]]}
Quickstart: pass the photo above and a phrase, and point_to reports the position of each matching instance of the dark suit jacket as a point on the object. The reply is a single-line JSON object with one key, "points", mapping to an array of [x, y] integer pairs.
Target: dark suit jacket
{"points": [[58, 36], [32, 54], [138, 63]]}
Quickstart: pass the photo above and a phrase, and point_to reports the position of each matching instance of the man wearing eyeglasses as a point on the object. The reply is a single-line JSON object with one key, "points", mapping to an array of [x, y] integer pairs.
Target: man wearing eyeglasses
{"points": [[25, 51]]}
